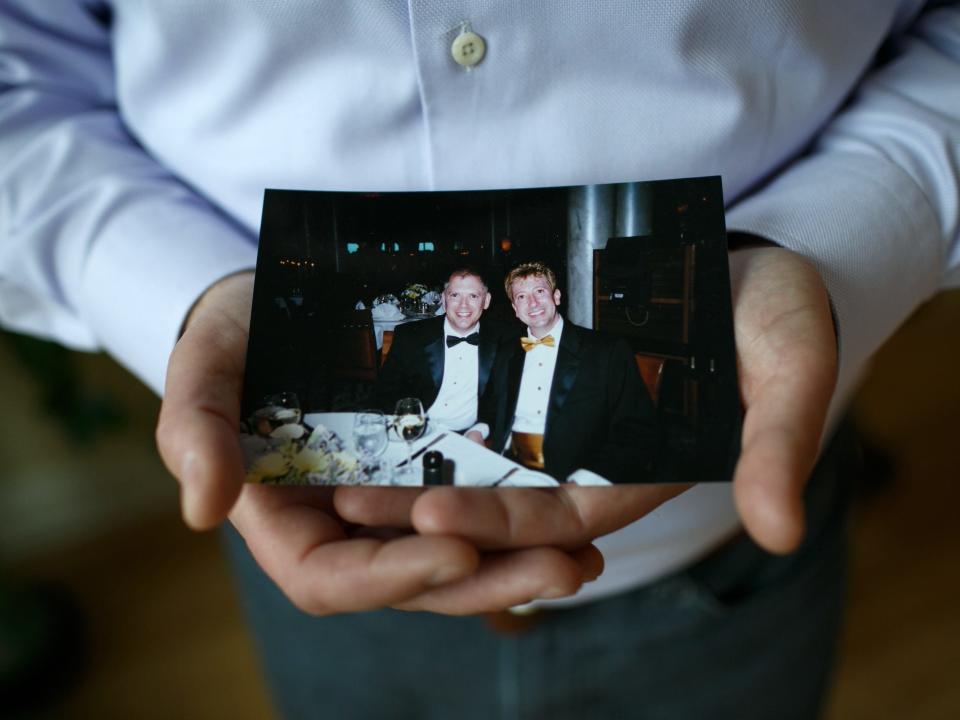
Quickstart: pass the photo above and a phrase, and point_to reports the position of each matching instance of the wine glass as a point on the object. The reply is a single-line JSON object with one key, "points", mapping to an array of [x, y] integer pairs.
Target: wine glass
{"points": [[411, 422], [370, 439]]}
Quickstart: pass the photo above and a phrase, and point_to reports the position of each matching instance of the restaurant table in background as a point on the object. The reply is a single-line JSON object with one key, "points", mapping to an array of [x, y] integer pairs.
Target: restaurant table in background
{"points": [[381, 326]]}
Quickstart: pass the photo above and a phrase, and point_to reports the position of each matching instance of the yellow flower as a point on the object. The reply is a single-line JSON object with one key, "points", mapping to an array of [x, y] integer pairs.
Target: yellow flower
{"points": [[345, 461], [308, 460], [273, 464]]}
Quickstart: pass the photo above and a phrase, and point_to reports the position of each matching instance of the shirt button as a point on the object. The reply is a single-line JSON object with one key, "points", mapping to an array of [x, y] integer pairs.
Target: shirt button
{"points": [[468, 49]]}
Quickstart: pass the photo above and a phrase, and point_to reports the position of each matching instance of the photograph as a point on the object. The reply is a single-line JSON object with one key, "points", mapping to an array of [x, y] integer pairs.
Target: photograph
{"points": [[527, 338]]}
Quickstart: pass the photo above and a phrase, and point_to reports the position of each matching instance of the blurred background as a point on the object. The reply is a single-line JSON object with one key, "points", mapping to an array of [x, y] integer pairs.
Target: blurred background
{"points": [[148, 625]]}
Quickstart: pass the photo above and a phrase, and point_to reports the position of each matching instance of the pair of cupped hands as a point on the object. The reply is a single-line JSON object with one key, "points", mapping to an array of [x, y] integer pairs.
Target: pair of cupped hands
{"points": [[462, 551]]}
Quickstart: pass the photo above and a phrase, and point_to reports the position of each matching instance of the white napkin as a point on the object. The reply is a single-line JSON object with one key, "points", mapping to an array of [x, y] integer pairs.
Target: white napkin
{"points": [[288, 432], [529, 478], [359, 305], [587, 478], [387, 311]]}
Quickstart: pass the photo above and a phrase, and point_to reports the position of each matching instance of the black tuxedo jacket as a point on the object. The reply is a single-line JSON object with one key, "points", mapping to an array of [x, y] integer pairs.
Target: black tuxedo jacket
{"points": [[599, 415], [414, 365]]}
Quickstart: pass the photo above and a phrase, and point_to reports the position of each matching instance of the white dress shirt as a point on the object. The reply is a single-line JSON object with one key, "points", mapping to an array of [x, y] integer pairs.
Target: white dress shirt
{"points": [[456, 405], [135, 150], [533, 398]]}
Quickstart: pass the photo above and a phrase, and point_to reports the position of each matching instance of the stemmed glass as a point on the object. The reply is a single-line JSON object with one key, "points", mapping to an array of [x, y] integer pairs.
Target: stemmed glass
{"points": [[370, 439], [411, 422]]}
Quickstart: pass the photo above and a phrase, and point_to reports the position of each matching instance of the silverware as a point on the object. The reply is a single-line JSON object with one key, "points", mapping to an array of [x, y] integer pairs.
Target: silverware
{"points": [[510, 472], [422, 450]]}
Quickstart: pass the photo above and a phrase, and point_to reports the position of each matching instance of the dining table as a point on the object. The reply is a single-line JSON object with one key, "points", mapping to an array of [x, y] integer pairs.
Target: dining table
{"points": [[382, 324], [466, 463]]}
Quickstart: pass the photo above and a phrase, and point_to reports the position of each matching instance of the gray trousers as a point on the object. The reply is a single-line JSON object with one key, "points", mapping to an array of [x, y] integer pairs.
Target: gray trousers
{"points": [[740, 635]]}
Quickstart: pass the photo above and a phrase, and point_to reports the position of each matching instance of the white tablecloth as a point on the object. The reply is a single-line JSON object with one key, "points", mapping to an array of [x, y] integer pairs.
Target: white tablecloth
{"points": [[379, 326], [473, 464]]}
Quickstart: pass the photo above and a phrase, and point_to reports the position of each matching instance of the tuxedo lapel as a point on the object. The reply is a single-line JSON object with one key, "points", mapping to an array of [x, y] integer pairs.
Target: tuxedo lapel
{"points": [[514, 376], [565, 372], [436, 351], [486, 353]]}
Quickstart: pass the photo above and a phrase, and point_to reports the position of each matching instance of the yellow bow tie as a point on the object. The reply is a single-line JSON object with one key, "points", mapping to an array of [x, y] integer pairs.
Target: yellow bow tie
{"points": [[529, 343]]}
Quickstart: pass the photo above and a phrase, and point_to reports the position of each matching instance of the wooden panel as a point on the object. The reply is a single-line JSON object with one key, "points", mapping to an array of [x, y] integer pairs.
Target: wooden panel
{"points": [[385, 348], [651, 370]]}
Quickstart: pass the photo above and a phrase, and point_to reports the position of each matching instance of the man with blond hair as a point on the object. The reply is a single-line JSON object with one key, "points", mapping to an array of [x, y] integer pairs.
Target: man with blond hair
{"points": [[565, 399]]}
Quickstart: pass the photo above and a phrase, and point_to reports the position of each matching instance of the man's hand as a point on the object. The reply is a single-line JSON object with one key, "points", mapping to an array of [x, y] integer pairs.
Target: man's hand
{"points": [[787, 366], [322, 563], [475, 436], [787, 355]]}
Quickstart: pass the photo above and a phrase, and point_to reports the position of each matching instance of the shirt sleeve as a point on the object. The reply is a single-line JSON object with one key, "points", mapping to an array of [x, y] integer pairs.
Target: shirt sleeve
{"points": [[587, 478], [874, 204], [479, 427], [100, 246]]}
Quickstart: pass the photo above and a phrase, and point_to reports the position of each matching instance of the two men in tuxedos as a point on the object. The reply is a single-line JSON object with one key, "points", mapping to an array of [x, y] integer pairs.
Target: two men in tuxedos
{"points": [[565, 399], [444, 361]]}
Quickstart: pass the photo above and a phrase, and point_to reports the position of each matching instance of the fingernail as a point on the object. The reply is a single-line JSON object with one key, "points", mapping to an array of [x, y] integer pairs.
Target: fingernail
{"points": [[445, 574], [555, 592]]}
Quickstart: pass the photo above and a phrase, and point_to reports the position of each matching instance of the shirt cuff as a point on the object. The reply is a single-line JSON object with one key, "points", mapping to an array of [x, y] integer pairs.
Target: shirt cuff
{"points": [[146, 271], [870, 232], [587, 477], [481, 428]]}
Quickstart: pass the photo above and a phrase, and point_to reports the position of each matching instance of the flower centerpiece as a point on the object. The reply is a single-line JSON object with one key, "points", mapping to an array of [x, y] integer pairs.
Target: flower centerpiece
{"points": [[417, 300], [322, 460], [414, 291]]}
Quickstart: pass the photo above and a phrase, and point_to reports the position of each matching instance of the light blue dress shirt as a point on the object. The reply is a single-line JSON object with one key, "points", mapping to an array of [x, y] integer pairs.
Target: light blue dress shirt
{"points": [[136, 140]]}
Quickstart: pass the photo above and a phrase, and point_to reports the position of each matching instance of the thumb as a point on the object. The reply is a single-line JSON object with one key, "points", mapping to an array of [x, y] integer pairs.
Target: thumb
{"points": [[197, 432], [788, 358]]}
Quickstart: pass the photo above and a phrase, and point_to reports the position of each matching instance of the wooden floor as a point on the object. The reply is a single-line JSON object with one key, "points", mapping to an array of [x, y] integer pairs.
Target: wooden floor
{"points": [[901, 647], [167, 638]]}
